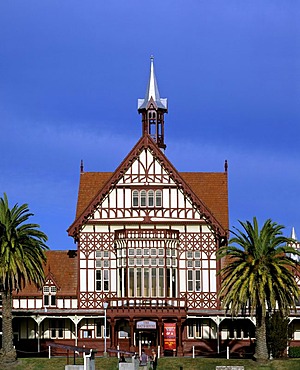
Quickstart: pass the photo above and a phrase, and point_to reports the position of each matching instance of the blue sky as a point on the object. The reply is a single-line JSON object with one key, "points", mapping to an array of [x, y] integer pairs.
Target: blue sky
{"points": [[71, 73]]}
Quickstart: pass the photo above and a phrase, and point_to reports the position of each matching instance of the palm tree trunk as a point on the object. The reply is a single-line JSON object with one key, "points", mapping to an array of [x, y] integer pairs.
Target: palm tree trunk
{"points": [[261, 350], [8, 352]]}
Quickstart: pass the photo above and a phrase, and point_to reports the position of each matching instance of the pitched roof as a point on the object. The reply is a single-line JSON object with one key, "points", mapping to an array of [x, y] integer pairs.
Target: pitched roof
{"points": [[212, 189], [62, 266], [208, 190]]}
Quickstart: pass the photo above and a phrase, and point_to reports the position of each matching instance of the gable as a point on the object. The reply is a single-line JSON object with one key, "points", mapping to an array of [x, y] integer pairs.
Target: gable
{"points": [[61, 269], [146, 164]]}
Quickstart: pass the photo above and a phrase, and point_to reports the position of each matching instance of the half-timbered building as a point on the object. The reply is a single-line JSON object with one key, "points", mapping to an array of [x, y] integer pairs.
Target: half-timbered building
{"points": [[146, 237]]}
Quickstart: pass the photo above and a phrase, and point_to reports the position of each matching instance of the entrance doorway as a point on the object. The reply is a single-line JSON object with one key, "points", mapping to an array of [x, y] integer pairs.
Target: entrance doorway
{"points": [[146, 339]]}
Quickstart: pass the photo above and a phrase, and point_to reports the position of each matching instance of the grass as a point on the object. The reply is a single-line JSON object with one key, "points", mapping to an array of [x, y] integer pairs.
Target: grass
{"points": [[165, 363]]}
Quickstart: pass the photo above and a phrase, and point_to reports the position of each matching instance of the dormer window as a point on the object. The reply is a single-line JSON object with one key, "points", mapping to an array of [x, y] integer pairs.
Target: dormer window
{"points": [[49, 292]]}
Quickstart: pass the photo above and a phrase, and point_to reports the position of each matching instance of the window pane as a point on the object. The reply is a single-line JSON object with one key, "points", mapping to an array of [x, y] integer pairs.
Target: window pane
{"points": [[146, 282], [131, 282], [158, 198], [135, 198], [143, 198], [150, 198], [161, 282], [138, 281]]}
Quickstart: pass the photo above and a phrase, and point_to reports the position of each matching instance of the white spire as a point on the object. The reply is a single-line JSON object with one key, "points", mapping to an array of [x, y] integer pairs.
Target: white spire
{"points": [[152, 91], [293, 234]]}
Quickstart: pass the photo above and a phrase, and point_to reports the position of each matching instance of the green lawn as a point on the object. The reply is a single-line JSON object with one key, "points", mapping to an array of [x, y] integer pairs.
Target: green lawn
{"points": [[163, 364]]}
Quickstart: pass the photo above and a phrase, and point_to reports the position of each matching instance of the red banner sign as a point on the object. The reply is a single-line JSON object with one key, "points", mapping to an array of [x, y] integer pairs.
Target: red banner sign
{"points": [[169, 336]]}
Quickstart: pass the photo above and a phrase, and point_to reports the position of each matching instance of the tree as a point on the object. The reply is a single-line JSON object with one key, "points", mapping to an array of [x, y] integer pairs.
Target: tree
{"points": [[277, 334], [259, 275], [22, 257]]}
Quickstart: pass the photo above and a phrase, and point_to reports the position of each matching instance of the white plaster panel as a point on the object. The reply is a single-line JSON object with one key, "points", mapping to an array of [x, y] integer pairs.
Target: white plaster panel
{"points": [[91, 280], [82, 264], [147, 227], [39, 303], [74, 303], [213, 281], [192, 229], [67, 303], [30, 303], [120, 197], [82, 281], [173, 196], [158, 168], [181, 263], [16, 303], [101, 228], [134, 167], [81, 255], [87, 228], [204, 256], [205, 264], [205, 229], [113, 281], [60, 303], [112, 199], [182, 285], [205, 280], [166, 198], [23, 303], [113, 263], [213, 264], [178, 227], [104, 203], [96, 215], [90, 263], [115, 227], [181, 200], [127, 198]]}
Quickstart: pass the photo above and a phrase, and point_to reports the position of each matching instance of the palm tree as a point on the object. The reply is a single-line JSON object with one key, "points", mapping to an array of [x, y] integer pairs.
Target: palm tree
{"points": [[22, 258], [259, 275]]}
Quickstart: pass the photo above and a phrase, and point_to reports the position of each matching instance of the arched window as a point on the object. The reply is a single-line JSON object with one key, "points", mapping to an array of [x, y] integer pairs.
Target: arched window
{"points": [[135, 198], [150, 198], [143, 198], [158, 198]]}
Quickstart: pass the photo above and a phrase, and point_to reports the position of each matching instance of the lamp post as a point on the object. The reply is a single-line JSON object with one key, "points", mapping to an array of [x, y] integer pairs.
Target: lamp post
{"points": [[105, 305]]}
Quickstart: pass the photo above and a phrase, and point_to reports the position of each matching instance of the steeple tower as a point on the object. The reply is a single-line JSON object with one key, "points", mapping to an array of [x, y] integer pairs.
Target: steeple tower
{"points": [[153, 108]]}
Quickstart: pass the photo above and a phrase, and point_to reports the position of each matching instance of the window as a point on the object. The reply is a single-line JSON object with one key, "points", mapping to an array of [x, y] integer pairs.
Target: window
{"points": [[143, 198], [135, 198], [194, 280], [102, 280], [158, 198], [49, 293], [56, 328], [148, 198]]}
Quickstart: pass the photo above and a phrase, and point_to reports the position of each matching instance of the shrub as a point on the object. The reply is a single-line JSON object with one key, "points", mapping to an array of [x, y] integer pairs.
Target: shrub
{"points": [[277, 334], [294, 352]]}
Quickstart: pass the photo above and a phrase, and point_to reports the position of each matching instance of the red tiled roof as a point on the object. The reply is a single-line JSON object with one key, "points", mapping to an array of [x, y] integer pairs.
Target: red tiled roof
{"points": [[211, 188], [90, 184], [62, 265]]}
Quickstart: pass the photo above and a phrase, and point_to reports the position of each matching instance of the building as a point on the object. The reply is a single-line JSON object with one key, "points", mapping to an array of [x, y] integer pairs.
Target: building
{"points": [[146, 237]]}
